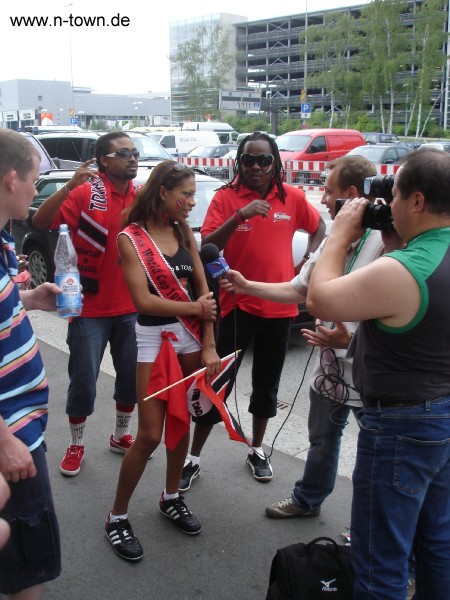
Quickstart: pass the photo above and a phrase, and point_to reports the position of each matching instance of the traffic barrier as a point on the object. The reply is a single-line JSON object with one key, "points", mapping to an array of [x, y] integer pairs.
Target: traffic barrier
{"points": [[307, 175]]}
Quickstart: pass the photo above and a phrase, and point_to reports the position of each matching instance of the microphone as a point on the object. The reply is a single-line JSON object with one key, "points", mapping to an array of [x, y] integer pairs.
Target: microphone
{"points": [[216, 265]]}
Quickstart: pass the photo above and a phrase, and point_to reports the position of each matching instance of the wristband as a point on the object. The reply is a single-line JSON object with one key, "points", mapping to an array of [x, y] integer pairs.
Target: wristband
{"points": [[203, 309], [66, 188], [238, 217]]}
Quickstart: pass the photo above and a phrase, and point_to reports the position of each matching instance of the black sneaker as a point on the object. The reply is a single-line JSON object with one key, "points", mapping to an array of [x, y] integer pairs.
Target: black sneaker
{"points": [[125, 543], [189, 473], [261, 469], [177, 510]]}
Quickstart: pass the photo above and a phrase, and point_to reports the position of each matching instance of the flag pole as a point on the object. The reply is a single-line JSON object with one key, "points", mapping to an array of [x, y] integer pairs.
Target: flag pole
{"points": [[194, 374]]}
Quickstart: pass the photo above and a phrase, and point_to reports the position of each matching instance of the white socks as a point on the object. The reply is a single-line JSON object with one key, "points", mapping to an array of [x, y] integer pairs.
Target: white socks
{"points": [[77, 431], [259, 451], [113, 518], [195, 460], [167, 496]]}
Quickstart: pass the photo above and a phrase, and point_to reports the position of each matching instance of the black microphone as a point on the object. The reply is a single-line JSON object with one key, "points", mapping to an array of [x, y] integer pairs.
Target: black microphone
{"points": [[217, 266]]}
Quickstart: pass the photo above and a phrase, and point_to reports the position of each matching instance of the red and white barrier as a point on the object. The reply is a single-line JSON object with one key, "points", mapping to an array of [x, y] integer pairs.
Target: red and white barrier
{"points": [[310, 171]]}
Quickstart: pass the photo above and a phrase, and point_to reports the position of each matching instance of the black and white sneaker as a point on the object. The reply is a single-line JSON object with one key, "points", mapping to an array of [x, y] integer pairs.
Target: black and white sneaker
{"points": [[261, 469], [122, 538], [177, 510], [189, 473]]}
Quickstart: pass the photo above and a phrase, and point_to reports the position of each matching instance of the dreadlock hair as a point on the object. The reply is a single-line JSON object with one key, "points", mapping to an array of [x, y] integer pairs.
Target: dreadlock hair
{"points": [[277, 168], [148, 204]]}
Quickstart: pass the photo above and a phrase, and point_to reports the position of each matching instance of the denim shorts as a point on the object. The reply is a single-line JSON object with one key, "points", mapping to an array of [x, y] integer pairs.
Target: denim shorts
{"points": [[149, 341], [32, 554]]}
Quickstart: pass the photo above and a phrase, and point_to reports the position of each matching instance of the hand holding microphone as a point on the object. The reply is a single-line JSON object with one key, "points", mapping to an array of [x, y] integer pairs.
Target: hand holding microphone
{"points": [[234, 283], [217, 266]]}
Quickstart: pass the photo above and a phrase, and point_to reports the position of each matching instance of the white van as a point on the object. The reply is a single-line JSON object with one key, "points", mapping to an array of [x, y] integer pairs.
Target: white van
{"points": [[179, 143], [227, 135]]}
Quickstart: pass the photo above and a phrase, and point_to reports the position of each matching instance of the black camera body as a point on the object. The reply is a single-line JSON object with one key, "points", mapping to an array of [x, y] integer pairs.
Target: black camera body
{"points": [[376, 216]]}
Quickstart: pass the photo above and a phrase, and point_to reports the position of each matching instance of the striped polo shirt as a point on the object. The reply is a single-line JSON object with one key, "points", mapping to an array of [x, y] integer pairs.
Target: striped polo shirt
{"points": [[23, 382]]}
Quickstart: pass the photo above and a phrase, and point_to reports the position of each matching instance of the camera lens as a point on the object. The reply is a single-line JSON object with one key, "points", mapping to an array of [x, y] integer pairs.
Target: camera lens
{"points": [[379, 186]]}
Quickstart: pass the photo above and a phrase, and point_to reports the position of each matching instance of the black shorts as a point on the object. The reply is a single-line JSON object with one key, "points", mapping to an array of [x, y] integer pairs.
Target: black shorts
{"points": [[32, 554]]}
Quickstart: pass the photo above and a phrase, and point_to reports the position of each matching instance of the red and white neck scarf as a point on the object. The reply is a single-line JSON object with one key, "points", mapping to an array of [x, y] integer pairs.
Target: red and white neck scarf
{"points": [[92, 233]]}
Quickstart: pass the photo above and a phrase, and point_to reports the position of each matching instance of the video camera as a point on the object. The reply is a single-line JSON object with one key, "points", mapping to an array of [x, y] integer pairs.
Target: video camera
{"points": [[376, 216]]}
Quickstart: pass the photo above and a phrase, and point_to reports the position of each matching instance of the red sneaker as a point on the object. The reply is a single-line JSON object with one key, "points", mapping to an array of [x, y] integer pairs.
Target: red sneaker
{"points": [[121, 446], [71, 463]]}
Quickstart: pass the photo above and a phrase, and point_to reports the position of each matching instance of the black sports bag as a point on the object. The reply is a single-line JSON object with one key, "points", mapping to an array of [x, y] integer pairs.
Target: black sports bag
{"points": [[311, 572]]}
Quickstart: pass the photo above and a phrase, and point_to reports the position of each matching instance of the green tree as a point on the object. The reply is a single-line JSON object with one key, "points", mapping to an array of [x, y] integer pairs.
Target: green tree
{"points": [[383, 49], [205, 63], [333, 69], [428, 46]]}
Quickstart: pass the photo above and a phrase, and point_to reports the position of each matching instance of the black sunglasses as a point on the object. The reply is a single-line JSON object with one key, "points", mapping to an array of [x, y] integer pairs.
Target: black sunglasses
{"points": [[124, 154], [262, 160]]}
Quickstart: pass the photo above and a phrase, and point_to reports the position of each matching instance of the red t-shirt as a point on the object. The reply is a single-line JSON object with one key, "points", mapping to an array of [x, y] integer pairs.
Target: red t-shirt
{"points": [[113, 297], [261, 248]]}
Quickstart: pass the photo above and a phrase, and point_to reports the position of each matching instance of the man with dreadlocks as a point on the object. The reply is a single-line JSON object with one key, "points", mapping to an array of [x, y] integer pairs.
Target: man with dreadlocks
{"points": [[253, 220]]}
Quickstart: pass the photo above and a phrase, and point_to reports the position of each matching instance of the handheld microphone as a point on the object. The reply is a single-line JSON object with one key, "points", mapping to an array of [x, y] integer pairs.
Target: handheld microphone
{"points": [[217, 266]]}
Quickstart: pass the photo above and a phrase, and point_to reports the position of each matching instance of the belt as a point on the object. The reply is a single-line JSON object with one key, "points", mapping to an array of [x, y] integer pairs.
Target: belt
{"points": [[387, 402]]}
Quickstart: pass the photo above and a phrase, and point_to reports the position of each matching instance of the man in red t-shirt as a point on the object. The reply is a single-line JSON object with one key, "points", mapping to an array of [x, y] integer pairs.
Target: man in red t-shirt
{"points": [[92, 204], [253, 220]]}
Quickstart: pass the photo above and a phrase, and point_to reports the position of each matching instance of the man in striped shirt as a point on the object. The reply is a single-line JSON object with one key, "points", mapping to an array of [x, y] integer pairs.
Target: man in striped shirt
{"points": [[32, 554]]}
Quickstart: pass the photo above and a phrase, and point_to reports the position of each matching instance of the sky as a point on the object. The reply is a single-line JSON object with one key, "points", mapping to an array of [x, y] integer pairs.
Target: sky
{"points": [[128, 56]]}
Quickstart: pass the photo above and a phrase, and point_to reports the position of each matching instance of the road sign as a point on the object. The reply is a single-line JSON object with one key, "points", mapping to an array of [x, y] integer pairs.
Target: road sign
{"points": [[10, 115], [306, 110], [240, 100], [74, 121], [27, 115]]}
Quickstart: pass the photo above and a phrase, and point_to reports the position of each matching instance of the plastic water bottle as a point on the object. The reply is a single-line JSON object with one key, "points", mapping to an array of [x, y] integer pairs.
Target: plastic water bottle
{"points": [[67, 277]]}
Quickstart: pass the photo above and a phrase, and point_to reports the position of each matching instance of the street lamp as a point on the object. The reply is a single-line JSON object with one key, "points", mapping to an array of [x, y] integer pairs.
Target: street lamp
{"points": [[71, 64]]}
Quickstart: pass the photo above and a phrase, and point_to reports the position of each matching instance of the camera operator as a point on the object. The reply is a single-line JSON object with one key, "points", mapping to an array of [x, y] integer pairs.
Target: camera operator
{"points": [[401, 367]]}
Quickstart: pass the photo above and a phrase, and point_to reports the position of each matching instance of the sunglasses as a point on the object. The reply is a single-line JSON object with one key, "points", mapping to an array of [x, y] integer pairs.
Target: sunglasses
{"points": [[177, 166], [124, 154], [262, 160]]}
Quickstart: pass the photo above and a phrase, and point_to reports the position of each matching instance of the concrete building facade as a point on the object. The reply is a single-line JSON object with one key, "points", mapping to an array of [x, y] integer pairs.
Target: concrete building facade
{"points": [[184, 31], [77, 106]]}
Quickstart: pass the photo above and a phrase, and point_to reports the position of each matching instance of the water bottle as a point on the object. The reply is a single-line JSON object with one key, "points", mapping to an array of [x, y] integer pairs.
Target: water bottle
{"points": [[67, 277]]}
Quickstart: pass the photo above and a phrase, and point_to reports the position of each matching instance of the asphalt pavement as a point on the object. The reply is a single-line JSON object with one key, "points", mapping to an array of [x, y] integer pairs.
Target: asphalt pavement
{"points": [[231, 557]]}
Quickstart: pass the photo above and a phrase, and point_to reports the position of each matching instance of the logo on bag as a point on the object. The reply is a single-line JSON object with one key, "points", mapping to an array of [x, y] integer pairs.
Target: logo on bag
{"points": [[327, 584]]}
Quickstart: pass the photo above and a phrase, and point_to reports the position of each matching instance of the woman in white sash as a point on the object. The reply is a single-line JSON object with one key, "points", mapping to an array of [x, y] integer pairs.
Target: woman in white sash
{"points": [[165, 276]]}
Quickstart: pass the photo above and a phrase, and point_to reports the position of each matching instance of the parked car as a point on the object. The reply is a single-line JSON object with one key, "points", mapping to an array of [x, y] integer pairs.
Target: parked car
{"points": [[382, 154], [443, 146], [213, 151], [318, 145], [72, 149], [375, 137], [39, 244], [47, 164], [241, 136], [179, 143], [227, 135]]}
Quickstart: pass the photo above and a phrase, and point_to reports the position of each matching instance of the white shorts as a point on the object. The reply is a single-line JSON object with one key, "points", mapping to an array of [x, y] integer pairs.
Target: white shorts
{"points": [[149, 341]]}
